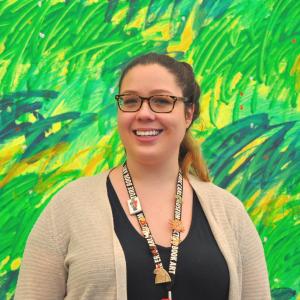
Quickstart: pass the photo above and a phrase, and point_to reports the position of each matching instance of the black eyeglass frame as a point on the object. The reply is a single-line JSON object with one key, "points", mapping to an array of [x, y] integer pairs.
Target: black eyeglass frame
{"points": [[175, 99]]}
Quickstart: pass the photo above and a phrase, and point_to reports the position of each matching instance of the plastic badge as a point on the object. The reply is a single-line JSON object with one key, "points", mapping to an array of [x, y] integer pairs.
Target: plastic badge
{"points": [[134, 206]]}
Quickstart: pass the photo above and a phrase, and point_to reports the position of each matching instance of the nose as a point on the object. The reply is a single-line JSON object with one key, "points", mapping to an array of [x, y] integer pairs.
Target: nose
{"points": [[145, 111]]}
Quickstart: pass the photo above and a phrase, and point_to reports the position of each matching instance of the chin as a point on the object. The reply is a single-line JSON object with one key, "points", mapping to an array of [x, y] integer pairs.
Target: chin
{"points": [[150, 156]]}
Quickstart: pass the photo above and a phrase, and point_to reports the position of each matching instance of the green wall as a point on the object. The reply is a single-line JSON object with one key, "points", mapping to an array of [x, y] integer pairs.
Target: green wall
{"points": [[59, 66]]}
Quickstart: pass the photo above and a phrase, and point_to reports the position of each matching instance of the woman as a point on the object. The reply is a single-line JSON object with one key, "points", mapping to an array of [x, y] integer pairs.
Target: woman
{"points": [[147, 229]]}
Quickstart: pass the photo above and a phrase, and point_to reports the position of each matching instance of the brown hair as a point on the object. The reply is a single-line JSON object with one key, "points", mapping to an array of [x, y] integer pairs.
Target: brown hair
{"points": [[190, 157]]}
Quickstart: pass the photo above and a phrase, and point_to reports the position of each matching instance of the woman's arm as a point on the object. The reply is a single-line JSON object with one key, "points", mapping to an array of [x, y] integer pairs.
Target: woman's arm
{"points": [[42, 274]]}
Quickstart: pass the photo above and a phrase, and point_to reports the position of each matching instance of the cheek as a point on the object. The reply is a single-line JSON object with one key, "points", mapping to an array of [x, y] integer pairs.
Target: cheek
{"points": [[177, 127], [121, 126], [124, 122]]}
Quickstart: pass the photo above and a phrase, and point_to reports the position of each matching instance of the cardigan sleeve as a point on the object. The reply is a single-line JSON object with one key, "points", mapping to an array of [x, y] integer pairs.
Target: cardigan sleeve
{"points": [[255, 282], [42, 274]]}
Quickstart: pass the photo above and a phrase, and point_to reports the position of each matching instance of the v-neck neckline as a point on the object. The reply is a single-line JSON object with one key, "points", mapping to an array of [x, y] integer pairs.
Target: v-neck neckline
{"points": [[120, 208]]}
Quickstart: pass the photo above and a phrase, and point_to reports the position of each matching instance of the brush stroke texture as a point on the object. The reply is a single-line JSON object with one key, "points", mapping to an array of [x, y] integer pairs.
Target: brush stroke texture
{"points": [[59, 66]]}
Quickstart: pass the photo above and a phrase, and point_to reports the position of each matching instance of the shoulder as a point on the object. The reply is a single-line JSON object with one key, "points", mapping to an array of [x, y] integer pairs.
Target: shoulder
{"points": [[87, 184], [219, 202], [227, 214], [80, 200], [80, 209], [85, 187], [79, 197]]}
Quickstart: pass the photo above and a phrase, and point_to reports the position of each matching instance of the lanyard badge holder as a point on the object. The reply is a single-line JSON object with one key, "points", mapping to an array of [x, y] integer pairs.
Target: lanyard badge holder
{"points": [[135, 208]]}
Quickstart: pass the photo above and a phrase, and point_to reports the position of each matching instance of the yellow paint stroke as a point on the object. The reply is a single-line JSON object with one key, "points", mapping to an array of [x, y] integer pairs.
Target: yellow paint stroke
{"points": [[161, 29], [3, 68], [119, 16], [10, 150], [205, 100], [238, 163], [152, 32], [263, 90], [92, 155], [207, 21], [33, 164], [295, 71], [4, 261], [138, 21], [92, 164], [54, 2], [267, 200], [280, 201], [252, 83], [225, 117], [16, 263], [273, 203], [64, 70], [233, 184], [102, 148], [199, 78], [282, 66], [119, 154], [285, 165], [199, 125], [187, 36], [89, 2], [251, 146], [249, 203], [61, 55], [59, 109], [234, 23], [237, 77], [298, 102], [19, 71], [54, 128], [218, 88], [75, 162], [31, 118], [284, 94], [2, 48]]}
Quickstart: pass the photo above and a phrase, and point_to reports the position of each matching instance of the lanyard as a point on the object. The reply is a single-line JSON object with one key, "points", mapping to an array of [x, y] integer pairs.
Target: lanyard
{"points": [[134, 205]]}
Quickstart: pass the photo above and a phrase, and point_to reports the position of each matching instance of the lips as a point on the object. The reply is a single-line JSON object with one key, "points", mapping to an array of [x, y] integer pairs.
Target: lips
{"points": [[147, 132]]}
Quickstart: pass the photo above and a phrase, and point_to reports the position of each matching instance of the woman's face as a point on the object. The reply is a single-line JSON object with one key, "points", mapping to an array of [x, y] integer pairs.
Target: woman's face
{"points": [[137, 128]]}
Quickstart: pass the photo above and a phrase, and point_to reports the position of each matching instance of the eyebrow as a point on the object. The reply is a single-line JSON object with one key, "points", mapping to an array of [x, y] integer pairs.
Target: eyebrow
{"points": [[152, 92]]}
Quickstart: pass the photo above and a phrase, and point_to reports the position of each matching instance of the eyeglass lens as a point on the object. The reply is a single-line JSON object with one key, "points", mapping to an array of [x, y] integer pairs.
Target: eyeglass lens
{"points": [[133, 103]]}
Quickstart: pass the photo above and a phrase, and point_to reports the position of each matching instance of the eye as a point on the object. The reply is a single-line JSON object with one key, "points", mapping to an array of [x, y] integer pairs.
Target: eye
{"points": [[129, 100], [162, 100]]}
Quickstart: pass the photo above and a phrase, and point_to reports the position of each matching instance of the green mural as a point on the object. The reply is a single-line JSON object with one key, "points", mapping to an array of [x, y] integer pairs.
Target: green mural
{"points": [[59, 66]]}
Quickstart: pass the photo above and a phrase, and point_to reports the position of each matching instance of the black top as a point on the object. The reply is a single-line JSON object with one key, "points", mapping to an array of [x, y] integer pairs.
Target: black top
{"points": [[201, 271]]}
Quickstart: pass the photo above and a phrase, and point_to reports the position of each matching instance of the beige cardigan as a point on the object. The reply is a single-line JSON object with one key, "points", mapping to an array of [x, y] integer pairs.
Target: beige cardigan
{"points": [[73, 253]]}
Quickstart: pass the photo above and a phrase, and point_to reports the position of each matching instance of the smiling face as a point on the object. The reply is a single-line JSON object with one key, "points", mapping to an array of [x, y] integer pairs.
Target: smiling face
{"points": [[146, 135]]}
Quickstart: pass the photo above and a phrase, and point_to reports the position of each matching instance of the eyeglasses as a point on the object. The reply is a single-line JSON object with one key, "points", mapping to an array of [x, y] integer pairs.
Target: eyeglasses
{"points": [[157, 103]]}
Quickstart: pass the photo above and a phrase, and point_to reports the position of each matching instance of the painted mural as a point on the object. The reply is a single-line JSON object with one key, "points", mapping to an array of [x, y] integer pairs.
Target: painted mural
{"points": [[59, 64]]}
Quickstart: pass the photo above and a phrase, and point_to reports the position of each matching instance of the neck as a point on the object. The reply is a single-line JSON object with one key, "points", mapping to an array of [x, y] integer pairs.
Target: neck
{"points": [[153, 173]]}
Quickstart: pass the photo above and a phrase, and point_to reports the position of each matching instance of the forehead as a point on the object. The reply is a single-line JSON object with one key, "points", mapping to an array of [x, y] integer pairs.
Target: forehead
{"points": [[146, 78]]}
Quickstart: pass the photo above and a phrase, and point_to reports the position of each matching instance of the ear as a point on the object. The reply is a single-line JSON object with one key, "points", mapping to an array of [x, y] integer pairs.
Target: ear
{"points": [[189, 112]]}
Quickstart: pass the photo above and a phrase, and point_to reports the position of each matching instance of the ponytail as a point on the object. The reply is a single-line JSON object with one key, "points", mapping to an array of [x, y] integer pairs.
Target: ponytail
{"points": [[191, 160]]}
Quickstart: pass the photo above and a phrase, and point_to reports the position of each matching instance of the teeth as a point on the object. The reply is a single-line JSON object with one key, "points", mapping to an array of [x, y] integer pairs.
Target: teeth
{"points": [[147, 133]]}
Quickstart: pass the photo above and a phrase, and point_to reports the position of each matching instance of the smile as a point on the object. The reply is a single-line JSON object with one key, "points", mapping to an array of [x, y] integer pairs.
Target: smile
{"points": [[153, 132]]}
